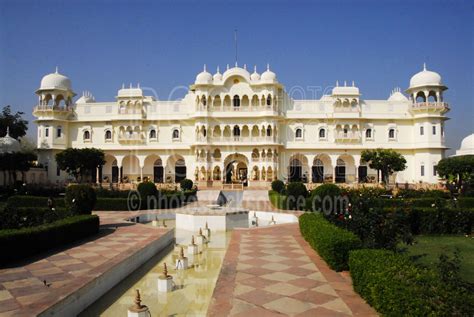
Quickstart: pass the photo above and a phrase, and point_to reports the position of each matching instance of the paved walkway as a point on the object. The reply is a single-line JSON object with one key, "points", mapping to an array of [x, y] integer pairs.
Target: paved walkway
{"points": [[22, 288], [273, 272]]}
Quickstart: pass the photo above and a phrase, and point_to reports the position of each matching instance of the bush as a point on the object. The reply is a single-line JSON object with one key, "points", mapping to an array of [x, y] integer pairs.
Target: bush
{"points": [[278, 186], [111, 204], [441, 220], [20, 201], [395, 286], [21, 217], [332, 243], [111, 193], [422, 193], [466, 202], [278, 200], [148, 195], [20, 243], [324, 198], [296, 193], [186, 184], [80, 199]]}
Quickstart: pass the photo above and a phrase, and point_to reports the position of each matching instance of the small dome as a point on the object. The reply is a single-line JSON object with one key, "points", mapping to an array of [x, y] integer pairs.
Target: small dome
{"points": [[217, 76], [56, 81], [396, 95], [467, 146], [255, 76], [268, 76], [86, 98], [425, 78], [9, 144], [204, 77]]}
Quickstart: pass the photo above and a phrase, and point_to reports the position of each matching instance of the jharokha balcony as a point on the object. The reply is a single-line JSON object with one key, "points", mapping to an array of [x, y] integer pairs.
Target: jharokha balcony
{"points": [[347, 136], [430, 106], [136, 137], [238, 139], [52, 109]]}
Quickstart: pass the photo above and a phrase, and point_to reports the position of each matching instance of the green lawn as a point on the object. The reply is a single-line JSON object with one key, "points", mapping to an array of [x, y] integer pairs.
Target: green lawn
{"points": [[277, 200], [430, 247]]}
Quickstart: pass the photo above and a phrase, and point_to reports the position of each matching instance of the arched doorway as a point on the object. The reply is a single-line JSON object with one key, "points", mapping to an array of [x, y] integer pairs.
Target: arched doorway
{"points": [[340, 171], [298, 168], [179, 170], [317, 171], [175, 169], [236, 169], [158, 171], [115, 172]]}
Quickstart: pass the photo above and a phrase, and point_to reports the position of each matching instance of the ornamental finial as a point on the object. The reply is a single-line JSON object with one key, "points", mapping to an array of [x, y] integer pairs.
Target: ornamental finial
{"points": [[424, 66], [57, 70]]}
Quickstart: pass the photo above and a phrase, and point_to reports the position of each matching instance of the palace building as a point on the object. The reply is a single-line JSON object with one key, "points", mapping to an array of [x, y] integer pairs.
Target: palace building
{"points": [[243, 127]]}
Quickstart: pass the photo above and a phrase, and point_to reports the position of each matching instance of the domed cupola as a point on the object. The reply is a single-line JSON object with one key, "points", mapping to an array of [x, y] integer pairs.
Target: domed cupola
{"points": [[55, 91], [426, 86], [425, 78], [467, 146], [255, 76], [217, 76], [55, 81], [268, 77], [9, 144], [204, 77]]}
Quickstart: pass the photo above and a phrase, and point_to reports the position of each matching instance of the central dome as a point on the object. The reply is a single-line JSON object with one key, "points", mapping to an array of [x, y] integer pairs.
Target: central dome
{"points": [[467, 146], [425, 78], [56, 81]]}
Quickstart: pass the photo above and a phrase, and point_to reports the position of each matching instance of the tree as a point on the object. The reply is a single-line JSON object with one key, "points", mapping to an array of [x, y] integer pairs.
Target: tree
{"points": [[459, 169], [80, 163], [11, 163], [15, 122], [387, 161]]}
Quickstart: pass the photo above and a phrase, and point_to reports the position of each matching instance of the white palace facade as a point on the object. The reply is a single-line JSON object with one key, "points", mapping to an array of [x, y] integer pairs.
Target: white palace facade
{"points": [[243, 127]]}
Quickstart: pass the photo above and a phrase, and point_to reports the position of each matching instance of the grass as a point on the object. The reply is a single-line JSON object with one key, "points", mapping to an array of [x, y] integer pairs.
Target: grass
{"points": [[429, 248], [277, 200]]}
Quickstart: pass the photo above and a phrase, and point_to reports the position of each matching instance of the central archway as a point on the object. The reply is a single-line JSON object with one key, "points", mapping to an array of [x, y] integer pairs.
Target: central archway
{"points": [[236, 169]]}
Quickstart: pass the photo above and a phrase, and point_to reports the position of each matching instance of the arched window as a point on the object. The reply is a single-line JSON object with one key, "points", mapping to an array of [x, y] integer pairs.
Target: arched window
{"points": [[203, 100], [236, 101], [108, 135], [368, 134], [422, 130], [345, 132], [175, 134], [322, 133], [59, 131], [391, 133], [269, 131], [236, 131], [87, 135], [153, 134], [269, 100], [299, 133]]}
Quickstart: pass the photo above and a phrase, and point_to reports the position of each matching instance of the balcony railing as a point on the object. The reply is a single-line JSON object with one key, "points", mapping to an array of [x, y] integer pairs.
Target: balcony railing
{"points": [[135, 137], [53, 108], [239, 139], [346, 109], [421, 106], [350, 136], [236, 109]]}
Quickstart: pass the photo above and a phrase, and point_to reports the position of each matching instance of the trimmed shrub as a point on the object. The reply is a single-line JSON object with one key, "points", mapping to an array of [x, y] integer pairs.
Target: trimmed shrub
{"points": [[278, 200], [278, 186], [296, 193], [186, 184], [21, 217], [111, 204], [20, 243], [441, 220], [148, 194], [20, 201], [331, 242], [80, 199], [111, 193], [466, 202], [325, 198], [395, 286]]}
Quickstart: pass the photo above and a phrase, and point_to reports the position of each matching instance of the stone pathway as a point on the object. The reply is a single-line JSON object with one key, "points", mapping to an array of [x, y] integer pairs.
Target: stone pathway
{"points": [[22, 288], [273, 272]]}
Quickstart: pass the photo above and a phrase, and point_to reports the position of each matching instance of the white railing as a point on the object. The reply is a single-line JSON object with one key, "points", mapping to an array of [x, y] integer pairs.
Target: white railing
{"points": [[234, 109], [346, 109], [239, 139], [347, 136], [430, 106], [53, 108], [131, 137]]}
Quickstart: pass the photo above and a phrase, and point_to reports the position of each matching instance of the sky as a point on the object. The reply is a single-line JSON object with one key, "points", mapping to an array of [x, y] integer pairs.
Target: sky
{"points": [[163, 45]]}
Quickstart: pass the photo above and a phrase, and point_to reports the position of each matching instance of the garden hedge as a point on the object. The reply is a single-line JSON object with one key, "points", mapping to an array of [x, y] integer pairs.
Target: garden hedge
{"points": [[20, 243], [395, 286], [466, 202], [22, 217], [32, 201], [331, 242]]}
